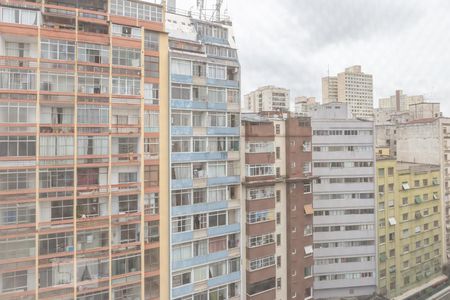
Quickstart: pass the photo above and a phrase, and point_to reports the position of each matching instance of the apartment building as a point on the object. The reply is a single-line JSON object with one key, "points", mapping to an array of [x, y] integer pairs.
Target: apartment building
{"points": [[419, 135], [304, 105], [329, 89], [267, 99], [278, 201], [353, 87], [205, 214], [399, 101], [344, 203], [83, 110], [409, 218]]}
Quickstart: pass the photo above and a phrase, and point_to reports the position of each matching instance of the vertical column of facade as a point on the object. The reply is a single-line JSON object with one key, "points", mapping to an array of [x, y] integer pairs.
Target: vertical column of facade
{"points": [[205, 178], [344, 216], [79, 210], [299, 209], [264, 260], [18, 159]]}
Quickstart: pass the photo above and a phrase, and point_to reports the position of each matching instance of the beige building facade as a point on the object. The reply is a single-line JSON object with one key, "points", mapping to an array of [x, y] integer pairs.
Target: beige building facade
{"points": [[353, 87]]}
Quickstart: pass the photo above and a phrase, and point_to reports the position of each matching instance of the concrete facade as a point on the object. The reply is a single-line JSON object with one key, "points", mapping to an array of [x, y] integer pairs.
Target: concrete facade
{"points": [[353, 87], [409, 218], [278, 200], [84, 89], [205, 212], [267, 99], [304, 105], [344, 203], [399, 101]]}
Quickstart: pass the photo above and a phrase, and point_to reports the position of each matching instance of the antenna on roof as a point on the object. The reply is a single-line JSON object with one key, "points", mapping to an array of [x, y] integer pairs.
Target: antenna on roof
{"points": [[201, 6]]}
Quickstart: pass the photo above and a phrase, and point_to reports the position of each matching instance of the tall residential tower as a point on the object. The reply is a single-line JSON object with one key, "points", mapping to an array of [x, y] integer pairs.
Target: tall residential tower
{"points": [[205, 214], [277, 196], [353, 87], [344, 216], [83, 129]]}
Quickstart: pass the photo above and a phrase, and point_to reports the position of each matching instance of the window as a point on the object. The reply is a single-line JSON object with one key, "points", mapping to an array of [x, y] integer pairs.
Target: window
{"points": [[126, 56], [151, 65], [217, 244], [17, 112], [129, 233], [218, 218], [217, 119], [53, 178], [307, 271], [259, 216], [181, 91], [200, 248], [18, 146], [93, 114], [126, 31], [122, 85], [151, 93], [217, 72], [93, 53], [58, 49], [217, 169], [277, 129], [57, 82], [152, 231], [182, 171], [260, 263], [128, 203], [216, 95], [17, 49], [217, 269], [261, 286], [127, 177], [216, 144], [17, 79], [307, 230], [259, 170], [181, 67], [151, 40], [61, 210], [137, 10], [181, 224], [182, 252], [87, 207], [14, 281], [181, 279], [55, 243], [216, 194], [261, 240], [200, 221]]}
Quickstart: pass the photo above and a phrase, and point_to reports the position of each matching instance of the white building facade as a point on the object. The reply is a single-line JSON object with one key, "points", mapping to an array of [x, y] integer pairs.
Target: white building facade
{"points": [[344, 206]]}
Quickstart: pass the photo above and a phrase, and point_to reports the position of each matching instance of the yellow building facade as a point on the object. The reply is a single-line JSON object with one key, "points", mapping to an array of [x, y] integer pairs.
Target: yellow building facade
{"points": [[409, 220]]}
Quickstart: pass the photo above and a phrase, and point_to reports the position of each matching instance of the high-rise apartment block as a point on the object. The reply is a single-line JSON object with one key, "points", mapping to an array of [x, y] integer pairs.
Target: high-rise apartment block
{"points": [[399, 101], [83, 128], [267, 99], [344, 215], [409, 220], [419, 135], [304, 105], [353, 87], [205, 213], [277, 197], [329, 89]]}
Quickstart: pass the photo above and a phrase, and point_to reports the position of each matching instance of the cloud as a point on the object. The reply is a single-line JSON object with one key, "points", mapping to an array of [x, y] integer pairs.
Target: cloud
{"points": [[404, 44]]}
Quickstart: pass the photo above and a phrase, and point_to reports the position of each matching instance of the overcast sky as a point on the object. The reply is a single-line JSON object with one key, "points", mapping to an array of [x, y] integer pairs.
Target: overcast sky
{"points": [[404, 44]]}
